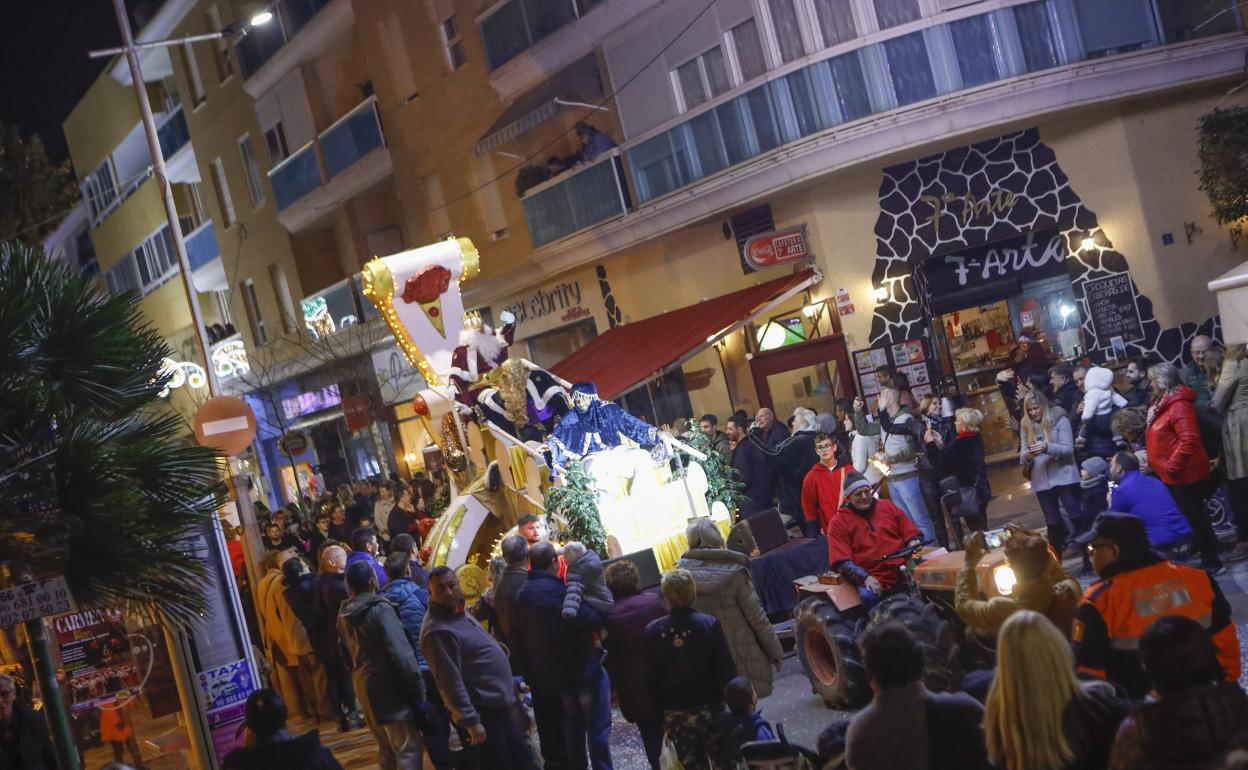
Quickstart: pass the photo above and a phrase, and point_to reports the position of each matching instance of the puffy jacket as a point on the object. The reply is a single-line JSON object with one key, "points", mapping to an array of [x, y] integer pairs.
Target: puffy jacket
{"points": [[1175, 451], [1193, 730], [626, 660], [412, 602], [382, 662], [1148, 498], [302, 753]]}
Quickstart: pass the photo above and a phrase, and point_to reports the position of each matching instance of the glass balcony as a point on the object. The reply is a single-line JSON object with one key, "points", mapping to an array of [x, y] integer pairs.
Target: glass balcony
{"points": [[261, 43], [295, 177], [335, 308], [173, 133], [576, 200], [201, 245], [354, 135], [519, 24], [910, 68]]}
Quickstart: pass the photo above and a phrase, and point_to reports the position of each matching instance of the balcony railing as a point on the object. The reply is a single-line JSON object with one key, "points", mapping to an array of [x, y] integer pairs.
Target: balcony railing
{"points": [[909, 68], [355, 135], [296, 176], [262, 42], [576, 200], [335, 308], [173, 133], [201, 245], [517, 24]]}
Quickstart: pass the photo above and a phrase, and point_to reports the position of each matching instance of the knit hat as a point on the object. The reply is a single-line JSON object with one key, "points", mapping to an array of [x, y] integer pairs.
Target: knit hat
{"points": [[1097, 469], [853, 482]]}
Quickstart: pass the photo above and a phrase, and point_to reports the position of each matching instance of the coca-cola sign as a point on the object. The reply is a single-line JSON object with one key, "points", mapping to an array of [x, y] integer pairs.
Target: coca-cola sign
{"points": [[777, 248]]}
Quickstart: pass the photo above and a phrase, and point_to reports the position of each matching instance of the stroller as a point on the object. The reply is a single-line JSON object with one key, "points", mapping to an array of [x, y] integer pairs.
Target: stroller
{"points": [[778, 754]]}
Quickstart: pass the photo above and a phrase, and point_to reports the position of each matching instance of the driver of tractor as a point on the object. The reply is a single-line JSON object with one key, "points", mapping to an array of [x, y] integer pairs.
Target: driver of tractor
{"points": [[864, 531], [1041, 584]]}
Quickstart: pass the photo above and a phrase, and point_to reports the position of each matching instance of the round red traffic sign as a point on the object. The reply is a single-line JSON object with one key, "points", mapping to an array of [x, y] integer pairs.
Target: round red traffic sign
{"points": [[225, 423]]}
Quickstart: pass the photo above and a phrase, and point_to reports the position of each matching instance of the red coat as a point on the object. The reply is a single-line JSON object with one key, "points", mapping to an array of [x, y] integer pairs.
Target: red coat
{"points": [[864, 540], [1175, 451], [821, 493]]}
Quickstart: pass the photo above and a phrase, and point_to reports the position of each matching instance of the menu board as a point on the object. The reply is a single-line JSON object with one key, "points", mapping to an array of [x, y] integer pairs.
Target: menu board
{"points": [[908, 357], [96, 656], [1113, 309]]}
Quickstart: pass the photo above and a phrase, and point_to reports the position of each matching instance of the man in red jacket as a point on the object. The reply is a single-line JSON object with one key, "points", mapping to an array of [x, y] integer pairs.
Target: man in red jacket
{"points": [[864, 531], [822, 487]]}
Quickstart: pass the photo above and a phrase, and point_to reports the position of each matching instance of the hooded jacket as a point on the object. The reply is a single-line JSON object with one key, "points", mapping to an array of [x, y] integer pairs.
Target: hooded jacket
{"points": [[381, 659], [412, 602], [1175, 450], [1193, 730], [863, 539], [302, 753], [354, 556]]}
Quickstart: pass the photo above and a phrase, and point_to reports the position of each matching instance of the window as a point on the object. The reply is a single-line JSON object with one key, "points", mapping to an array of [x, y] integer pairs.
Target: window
{"points": [[224, 204], [749, 50], [787, 29], [705, 77], [251, 171], [1036, 36], [973, 48], [281, 290], [454, 43], [221, 53], [100, 190], [890, 13], [910, 69], [122, 276], [836, 21], [196, 82], [489, 196], [155, 259], [275, 140], [252, 307]]}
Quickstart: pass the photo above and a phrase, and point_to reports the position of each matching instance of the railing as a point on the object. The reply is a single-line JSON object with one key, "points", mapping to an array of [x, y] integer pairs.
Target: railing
{"points": [[335, 308], [262, 42], [295, 176], [173, 133], [353, 136], [516, 25], [576, 200], [881, 76], [201, 245]]}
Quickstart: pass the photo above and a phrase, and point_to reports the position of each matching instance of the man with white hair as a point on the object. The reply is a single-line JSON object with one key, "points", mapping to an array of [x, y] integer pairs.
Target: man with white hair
{"points": [[789, 461], [23, 733], [1194, 373], [480, 351], [769, 430]]}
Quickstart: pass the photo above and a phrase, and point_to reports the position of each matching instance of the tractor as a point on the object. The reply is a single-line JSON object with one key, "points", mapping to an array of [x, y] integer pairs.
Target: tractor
{"points": [[830, 617]]}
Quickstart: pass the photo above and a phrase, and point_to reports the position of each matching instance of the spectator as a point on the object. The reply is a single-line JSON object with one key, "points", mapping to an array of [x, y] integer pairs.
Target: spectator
{"points": [[1111, 618], [768, 430], [1131, 424], [1193, 375], [594, 143], [276, 539], [270, 606], [1043, 585], [1230, 398], [1178, 457], [866, 442], [823, 485], [586, 581], [1139, 392], [234, 545], [338, 528], [742, 722], [941, 431], [726, 591], [752, 468], [555, 166], [1197, 717], [320, 533], [866, 530], [528, 526], [964, 459], [270, 746], [1096, 413], [905, 726], [688, 665], [1094, 483], [1065, 391], [515, 551], [294, 645], [307, 626], [1047, 454], [844, 415], [407, 544], [473, 677], [384, 669], [709, 424], [331, 592], [625, 628], [364, 548], [901, 452], [359, 506], [1039, 716], [24, 740], [791, 459], [402, 516], [1146, 497]]}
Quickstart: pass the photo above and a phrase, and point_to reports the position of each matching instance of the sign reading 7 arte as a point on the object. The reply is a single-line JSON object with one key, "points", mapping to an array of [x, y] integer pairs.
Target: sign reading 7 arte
{"points": [[967, 207]]}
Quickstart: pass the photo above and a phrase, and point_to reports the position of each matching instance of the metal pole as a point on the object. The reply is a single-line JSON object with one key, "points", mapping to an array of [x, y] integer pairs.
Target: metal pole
{"points": [[53, 704]]}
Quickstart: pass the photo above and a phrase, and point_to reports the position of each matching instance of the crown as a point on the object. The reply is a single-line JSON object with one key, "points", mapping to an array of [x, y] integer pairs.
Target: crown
{"points": [[473, 319]]}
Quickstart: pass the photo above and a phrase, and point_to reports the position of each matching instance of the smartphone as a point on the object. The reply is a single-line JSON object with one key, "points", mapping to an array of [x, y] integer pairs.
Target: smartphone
{"points": [[996, 538]]}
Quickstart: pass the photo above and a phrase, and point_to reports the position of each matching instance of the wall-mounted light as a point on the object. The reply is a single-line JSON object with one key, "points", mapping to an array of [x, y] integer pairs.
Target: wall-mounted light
{"points": [[881, 294], [1088, 244], [810, 311]]}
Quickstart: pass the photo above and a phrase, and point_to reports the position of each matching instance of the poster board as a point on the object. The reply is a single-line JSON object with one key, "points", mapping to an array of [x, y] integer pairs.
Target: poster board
{"points": [[1113, 309], [909, 357], [99, 665]]}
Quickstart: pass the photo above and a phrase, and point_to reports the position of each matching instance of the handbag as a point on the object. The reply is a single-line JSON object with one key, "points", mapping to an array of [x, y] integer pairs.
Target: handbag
{"points": [[962, 500], [668, 758]]}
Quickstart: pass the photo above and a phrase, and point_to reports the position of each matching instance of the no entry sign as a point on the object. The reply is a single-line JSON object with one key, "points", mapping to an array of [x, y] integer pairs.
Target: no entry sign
{"points": [[225, 423]]}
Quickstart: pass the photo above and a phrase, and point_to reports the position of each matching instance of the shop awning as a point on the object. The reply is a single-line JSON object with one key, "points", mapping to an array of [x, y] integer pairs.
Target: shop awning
{"points": [[630, 355], [575, 86], [1231, 289]]}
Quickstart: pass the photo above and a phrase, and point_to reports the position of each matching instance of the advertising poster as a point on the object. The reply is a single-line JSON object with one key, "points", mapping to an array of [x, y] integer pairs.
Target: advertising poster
{"points": [[96, 655], [224, 690], [908, 352]]}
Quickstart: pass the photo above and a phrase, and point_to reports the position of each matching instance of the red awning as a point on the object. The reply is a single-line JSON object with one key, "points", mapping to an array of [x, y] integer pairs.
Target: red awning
{"points": [[630, 354]]}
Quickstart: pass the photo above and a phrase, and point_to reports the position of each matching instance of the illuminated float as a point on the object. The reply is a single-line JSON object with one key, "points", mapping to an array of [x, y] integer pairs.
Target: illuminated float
{"points": [[507, 427]]}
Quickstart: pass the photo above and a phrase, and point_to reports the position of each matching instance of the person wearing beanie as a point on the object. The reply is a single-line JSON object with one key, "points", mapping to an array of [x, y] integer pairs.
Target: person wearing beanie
{"points": [[865, 530], [1137, 587], [1094, 481]]}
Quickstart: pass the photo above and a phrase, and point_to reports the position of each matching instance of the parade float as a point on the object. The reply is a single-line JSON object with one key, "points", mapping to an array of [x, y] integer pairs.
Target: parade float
{"points": [[511, 432]]}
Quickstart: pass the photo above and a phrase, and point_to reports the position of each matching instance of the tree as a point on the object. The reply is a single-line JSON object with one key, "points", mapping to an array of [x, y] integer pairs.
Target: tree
{"points": [[577, 503], [34, 192], [1223, 153], [721, 478], [96, 482]]}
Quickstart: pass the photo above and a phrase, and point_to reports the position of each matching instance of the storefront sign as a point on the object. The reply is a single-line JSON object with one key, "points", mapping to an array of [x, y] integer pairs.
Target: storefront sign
{"points": [[1031, 257], [33, 600], [544, 302], [1112, 306], [96, 656], [307, 403], [968, 208], [397, 380], [776, 249], [293, 444]]}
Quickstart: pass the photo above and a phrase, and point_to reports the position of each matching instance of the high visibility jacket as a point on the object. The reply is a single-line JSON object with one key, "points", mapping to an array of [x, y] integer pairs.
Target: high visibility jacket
{"points": [[1130, 597]]}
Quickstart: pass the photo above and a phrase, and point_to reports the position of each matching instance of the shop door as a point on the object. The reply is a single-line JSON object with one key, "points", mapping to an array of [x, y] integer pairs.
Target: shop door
{"points": [[811, 374]]}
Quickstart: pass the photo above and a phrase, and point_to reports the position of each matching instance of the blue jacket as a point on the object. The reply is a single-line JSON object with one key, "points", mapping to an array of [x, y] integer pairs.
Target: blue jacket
{"points": [[355, 556], [411, 601], [552, 653], [1148, 498]]}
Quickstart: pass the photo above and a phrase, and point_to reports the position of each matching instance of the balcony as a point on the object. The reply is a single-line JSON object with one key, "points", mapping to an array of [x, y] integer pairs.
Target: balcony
{"points": [[295, 177], [576, 200], [201, 246], [355, 135], [299, 31], [173, 133], [338, 307], [515, 25], [262, 42]]}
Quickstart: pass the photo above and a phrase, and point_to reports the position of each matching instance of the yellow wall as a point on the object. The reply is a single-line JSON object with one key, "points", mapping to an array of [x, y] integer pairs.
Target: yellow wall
{"points": [[104, 116]]}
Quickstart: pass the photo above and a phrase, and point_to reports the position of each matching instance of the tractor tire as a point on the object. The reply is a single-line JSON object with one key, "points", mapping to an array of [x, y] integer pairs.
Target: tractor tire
{"points": [[827, 646], [937, 636]]}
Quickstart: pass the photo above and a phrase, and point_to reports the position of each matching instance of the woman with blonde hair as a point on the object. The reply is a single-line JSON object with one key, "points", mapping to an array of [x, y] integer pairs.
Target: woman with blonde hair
{"points": [[1047, 454], [1039, 716], [1230, 398], [964, 458]]}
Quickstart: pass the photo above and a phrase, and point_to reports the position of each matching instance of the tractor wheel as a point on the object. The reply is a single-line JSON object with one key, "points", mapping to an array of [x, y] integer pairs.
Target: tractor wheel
{"points": [[827, 646], [943, 665]]}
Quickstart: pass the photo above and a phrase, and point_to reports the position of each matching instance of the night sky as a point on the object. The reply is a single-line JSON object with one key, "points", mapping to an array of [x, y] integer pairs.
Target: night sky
{"points": [[44, 69]]}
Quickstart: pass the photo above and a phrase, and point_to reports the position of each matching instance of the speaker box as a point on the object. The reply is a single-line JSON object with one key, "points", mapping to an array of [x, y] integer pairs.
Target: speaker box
{"points": [[768, 529], [646, 564]]}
